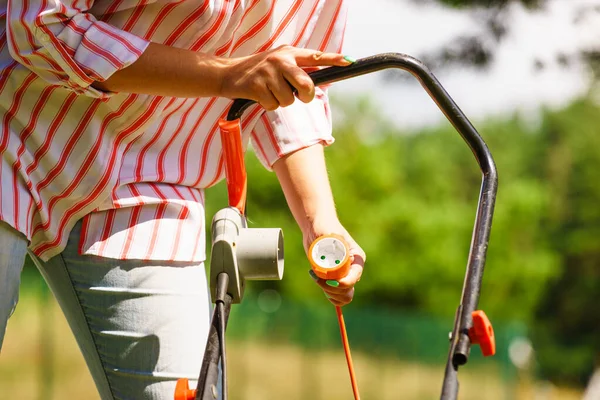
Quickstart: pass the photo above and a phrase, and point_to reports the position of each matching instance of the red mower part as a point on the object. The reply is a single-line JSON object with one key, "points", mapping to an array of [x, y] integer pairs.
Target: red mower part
{"points": [[183, 391], [482, 333]]}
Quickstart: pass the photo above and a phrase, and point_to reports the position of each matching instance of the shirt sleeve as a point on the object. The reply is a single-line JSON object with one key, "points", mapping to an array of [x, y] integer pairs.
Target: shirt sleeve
{"points": [[292, 128], [66, 45], [300, 125]]}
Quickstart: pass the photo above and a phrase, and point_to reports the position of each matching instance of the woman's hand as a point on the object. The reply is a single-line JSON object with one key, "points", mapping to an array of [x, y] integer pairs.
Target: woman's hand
{"points": [[339, 292], [273, 77]]}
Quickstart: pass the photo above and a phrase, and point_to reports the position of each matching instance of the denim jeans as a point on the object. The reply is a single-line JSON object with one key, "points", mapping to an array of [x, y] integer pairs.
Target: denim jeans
{"points": [[140, 325]]}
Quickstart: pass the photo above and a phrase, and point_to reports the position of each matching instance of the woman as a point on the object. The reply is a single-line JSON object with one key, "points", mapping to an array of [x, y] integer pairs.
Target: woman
{"points": [[109, 135]]}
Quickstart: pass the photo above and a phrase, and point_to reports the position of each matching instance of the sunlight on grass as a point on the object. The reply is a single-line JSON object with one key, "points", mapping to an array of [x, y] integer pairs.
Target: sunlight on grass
{"points": [[258, 371]]}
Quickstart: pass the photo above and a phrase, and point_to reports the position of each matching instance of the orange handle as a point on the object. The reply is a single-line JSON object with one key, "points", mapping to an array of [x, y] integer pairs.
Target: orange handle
{"points": [[235, 168]]}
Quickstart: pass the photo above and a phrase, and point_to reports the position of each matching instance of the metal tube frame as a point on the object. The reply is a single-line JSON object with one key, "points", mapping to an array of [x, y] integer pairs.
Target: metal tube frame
{"points": [[459, 340], [206, 388]]}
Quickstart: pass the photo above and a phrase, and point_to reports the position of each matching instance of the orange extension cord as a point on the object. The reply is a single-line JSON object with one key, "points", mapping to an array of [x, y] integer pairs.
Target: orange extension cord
{"points": [[340, 317]]}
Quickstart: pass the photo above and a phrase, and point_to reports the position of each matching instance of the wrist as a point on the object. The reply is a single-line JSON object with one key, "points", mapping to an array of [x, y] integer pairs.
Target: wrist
{"points": [[213, 70], [219, 67], [317, 227], [320, 224], [230, 72]]}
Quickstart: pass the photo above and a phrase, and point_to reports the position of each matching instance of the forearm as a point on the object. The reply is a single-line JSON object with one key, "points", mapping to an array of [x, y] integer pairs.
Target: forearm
{"points": [[303, 178], [168, 71]]}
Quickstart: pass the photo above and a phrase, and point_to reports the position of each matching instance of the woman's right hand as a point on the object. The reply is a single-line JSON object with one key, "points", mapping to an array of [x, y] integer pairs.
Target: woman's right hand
{"points": [[272, 78]]}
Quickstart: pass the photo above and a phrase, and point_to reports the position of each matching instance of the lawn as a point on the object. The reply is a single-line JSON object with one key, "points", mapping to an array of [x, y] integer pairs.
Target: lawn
{"points": [[258, 370]]}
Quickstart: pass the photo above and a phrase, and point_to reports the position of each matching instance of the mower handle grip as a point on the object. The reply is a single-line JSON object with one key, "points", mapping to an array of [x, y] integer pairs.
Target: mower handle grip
{"points": [[460, 342], [429, 82]]}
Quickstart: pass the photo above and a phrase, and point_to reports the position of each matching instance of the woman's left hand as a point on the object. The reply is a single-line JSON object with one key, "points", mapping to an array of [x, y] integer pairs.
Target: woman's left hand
{"points": [[339, 292]]}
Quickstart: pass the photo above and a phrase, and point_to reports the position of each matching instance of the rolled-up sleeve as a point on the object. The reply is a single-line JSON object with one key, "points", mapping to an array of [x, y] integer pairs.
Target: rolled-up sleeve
{"points": [[68, 46], [286, 130], [300, 125]]}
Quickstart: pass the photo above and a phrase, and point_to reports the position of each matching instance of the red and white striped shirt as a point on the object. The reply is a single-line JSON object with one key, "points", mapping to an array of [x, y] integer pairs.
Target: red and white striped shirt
{"points": [[134, 166]]}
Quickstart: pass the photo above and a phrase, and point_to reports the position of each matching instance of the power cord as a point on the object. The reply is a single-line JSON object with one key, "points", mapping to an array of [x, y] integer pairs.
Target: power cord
{"points": [[222, 284]]}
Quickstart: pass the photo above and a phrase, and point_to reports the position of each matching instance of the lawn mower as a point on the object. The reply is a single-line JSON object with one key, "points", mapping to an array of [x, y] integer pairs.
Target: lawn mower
{"points": [[240, 253]]}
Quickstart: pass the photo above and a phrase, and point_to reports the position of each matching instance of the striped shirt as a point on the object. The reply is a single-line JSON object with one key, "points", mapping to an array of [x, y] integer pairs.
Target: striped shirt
{"points": [[132, 166]]}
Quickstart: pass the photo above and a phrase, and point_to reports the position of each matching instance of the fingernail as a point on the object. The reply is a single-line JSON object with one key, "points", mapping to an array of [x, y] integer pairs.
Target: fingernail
{"points": [[333, 283], [350, 59], [313, 275]]}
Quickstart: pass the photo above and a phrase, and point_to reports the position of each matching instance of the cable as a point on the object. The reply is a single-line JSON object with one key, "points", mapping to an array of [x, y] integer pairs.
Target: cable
{"points": [[329, 257], [221, 310], [222, 285], [346, 345]]}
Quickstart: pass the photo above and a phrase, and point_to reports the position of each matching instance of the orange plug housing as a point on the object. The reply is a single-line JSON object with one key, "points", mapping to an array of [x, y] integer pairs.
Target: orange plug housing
{"points": [[327, 273], [482, 333], [183, 391]]}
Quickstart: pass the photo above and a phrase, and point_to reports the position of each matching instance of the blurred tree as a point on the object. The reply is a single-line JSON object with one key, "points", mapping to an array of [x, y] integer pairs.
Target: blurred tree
{"points": [[568, 317], [491, 3], [478, 50], [494, 18], [409, 198]]}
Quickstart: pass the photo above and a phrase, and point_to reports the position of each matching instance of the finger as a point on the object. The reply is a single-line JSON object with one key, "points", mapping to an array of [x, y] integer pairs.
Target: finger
{"points": [[358, 256], [332, 286], [268, 101], [339, 294], [341, 300], [308, 70], [337, 302], [352, 277], [347, 294], [314, 58], [282, 91], [299, 79], [329, 286], [357, 259]]}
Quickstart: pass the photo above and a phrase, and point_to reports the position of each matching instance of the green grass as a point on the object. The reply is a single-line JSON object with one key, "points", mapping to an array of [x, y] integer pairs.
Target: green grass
{"points": [[258, 370]]}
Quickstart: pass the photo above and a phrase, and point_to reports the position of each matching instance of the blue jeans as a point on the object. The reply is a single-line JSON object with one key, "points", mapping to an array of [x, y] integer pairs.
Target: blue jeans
{"points": [[140, 325]]}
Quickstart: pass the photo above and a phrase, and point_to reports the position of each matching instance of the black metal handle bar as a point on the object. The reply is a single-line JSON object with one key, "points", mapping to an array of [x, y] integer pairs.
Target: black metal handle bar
{"points": [[460, 342]]}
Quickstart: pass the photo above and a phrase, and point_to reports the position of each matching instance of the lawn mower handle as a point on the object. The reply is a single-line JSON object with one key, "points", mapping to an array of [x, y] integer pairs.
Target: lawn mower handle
{"points": [[460, 340]]}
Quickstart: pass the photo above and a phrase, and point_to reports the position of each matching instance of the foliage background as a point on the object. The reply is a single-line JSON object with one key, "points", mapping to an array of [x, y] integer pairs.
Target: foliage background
{"points": [[409, 198]]}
